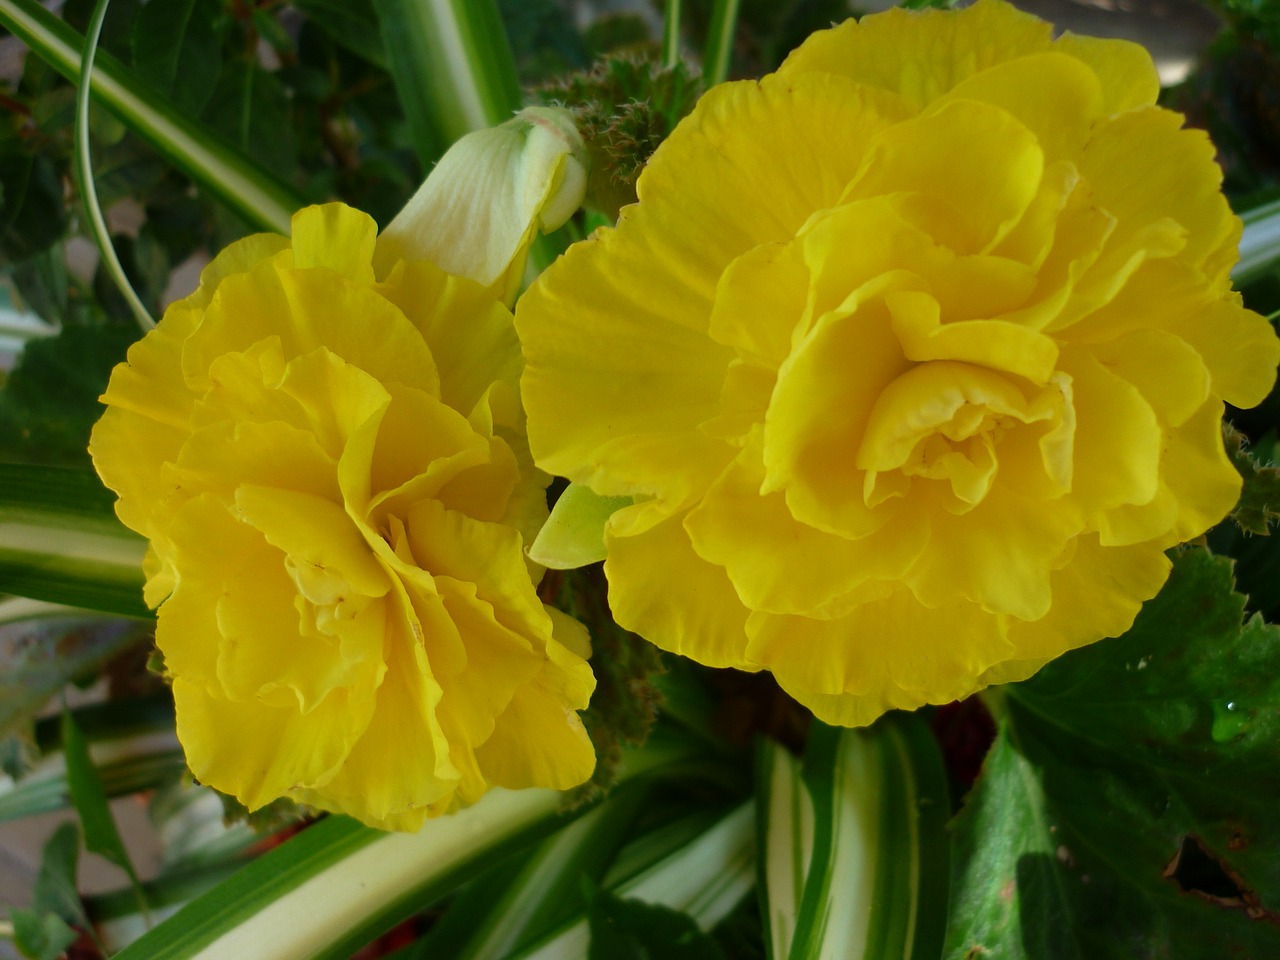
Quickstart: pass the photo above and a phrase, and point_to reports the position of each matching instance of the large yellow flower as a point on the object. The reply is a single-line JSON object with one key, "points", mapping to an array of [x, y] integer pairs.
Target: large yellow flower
{"points": [[912, 355], [331, 469]]}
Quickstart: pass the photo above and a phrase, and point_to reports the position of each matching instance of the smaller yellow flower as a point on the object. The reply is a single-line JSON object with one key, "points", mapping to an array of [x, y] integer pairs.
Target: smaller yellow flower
{"points": [[329, 463]]}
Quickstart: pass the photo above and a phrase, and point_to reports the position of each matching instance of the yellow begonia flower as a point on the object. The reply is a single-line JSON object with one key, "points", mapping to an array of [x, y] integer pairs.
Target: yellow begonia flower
{"points": [[913, 355], [331, 469]]}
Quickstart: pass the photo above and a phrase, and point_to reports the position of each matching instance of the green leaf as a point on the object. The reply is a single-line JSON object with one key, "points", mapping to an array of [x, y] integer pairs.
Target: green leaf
{"points": [[547, 890], [32, 214], [573, 535], [251, 109], [634, 930], [337, 884], [43, 647], [176, 48], [41, 937], [1259, 504], [785, 828], [253, 192], [452, 66], [49, 402], [671, 33], [1128, 807], [719, 46], [100, 833], [706, 878], [1259, 243], [876, 857], [60, 542], [352, 23], [55, 887]]}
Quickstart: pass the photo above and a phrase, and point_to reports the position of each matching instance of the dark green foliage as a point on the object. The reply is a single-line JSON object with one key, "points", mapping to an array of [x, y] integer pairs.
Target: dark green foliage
{"points": [[1259, 505], [177, 47], [625, 703], [44, 932], [632, 930], [49, 403], [1128, 806]]}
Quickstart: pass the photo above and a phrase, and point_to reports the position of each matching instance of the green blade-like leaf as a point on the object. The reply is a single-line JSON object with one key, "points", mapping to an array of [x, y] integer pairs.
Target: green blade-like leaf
{"points": [[1259, 243], [147, 766], [705, 879], [1128, 807], [338, 884], [719, 46], [785, 841], [452, 66], [549, 885], [60, 542], [252, 192], [671, 33], [876, 883], [100, 833]]}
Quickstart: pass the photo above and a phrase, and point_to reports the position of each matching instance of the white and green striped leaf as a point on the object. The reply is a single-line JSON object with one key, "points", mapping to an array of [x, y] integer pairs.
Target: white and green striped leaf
{"points": [[874, 861], [338, 884], [60, 542], [705, 878], [1260, 242], [251, 191], [452, 66]]}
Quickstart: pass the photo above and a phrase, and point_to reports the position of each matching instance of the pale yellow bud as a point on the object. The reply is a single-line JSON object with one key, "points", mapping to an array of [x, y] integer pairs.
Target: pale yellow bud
{"points": [[479, 210]]}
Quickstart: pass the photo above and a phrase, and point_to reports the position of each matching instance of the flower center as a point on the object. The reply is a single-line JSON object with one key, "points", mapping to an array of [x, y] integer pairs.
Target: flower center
{"points": [[943, 422]]}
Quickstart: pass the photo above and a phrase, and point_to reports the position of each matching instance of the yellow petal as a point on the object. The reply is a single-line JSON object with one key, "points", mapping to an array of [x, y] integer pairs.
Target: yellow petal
{"points": [[1055, 96], [819, 413], [1096, 594], [781, 565], [399, 769], [977, 195], [1180, 182], [238, 257], [1127, 74], [257, 752], [890, 652], [471, 334], [1170, 375], [998, 555], [308, 309], [1118, 438], [337, 237], [537, 742], [661, 589], [1239, 347], [990, 343], [920, 55]]}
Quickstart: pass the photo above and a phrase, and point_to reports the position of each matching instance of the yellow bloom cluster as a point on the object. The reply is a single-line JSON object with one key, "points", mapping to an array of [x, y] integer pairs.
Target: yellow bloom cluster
{"points": [[331, 470], [913, 356]]}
